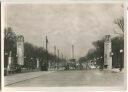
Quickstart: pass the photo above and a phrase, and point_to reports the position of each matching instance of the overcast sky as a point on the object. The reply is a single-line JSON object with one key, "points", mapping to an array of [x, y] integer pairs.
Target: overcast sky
{"points": [[64, 24]]}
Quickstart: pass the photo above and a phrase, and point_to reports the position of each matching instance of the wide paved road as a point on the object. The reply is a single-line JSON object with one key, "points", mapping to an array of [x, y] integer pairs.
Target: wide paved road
{"points": [[74, 78]]}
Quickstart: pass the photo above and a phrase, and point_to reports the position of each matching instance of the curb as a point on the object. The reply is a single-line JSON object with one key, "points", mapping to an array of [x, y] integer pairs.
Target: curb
{"points": [[23, 80]]}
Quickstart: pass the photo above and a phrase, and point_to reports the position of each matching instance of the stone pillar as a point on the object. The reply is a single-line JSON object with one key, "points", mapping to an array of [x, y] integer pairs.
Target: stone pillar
{"points": [[107, 52], [20, 50], [38, 63], [9, 61]]}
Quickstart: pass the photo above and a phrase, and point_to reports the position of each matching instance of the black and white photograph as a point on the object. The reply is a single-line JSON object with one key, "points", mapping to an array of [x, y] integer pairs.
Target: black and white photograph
{"points": [[0, 46], [64, 45]]}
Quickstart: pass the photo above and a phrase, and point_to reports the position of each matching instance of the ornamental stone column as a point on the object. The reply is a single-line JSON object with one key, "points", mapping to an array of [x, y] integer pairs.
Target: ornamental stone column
{"points": [[107, 52], [20, 50]]}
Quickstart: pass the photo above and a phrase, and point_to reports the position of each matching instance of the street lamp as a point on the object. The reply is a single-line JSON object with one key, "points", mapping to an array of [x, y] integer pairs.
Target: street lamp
{"points": [[5, 53], [121, 65], [121, 51], [111, 54], [102, 62]]}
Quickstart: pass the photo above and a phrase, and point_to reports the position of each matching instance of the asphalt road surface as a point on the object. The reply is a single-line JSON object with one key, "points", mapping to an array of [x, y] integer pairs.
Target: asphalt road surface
{"points": [[74, 78]]}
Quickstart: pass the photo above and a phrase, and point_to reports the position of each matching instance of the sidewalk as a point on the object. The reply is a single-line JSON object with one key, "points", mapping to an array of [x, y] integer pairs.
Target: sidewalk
{"points": [[14, 78]]}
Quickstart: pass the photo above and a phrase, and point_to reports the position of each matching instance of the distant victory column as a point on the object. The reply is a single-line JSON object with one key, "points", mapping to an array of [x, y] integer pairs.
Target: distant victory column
{"points": [[20, 50], [72, 51], [107, 52], [73, 57]]}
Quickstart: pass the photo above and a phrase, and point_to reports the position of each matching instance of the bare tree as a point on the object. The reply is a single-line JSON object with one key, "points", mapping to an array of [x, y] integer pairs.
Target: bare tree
{"points": [[120, 23]]}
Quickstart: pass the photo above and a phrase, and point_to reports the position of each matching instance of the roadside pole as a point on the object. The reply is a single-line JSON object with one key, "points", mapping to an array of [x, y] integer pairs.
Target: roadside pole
{"points": [[47, 63]]}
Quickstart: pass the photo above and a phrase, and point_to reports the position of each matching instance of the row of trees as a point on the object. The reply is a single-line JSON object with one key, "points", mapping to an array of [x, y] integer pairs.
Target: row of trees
{"points": [[117, 45], [31, 52], [9, 44], [98, 52]]}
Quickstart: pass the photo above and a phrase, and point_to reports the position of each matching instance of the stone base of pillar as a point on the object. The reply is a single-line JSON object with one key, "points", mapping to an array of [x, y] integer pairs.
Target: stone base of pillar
{"points": [[106, 67], [109, 68]]}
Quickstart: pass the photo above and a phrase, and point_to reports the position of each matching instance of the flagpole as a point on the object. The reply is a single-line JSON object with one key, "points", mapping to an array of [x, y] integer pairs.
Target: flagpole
{"points": [[72, 51], [47, 65], [55, 55], [58, 60]]}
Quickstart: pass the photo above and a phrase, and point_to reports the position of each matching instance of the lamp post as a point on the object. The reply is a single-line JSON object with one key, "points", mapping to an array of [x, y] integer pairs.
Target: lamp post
{"points": [[47, 62], [102, 64], [31, 63], [54, 55], [6, 56], [9, 62], [6, 60], [112, 56], [58, 60], [95, 62], [5, 53], [121, 64]]}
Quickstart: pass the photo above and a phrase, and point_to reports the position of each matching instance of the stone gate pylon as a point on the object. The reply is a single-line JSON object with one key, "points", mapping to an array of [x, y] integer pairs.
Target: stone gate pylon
{"points": [[20, 50], [107, 52]]}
